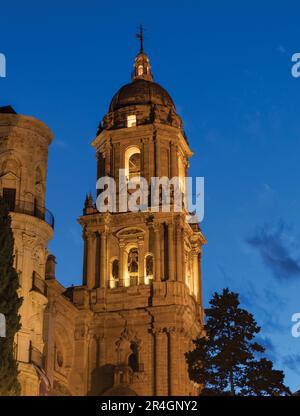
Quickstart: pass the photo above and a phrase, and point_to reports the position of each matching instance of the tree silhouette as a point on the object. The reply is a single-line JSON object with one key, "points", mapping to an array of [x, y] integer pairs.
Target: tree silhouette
{"points": [[9, 306], [225, 362]]}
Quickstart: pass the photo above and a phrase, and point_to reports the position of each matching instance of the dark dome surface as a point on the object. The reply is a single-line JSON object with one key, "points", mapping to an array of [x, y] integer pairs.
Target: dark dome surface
{"points": [[141, 91]]}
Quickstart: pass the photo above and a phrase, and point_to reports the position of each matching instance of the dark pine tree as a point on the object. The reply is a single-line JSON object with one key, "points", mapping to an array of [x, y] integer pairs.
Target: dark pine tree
{"points": [[225, 361], [9, 306]]}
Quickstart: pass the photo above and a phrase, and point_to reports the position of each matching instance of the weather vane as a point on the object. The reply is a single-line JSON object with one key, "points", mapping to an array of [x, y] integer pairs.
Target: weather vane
{"points": [[140, 36]]}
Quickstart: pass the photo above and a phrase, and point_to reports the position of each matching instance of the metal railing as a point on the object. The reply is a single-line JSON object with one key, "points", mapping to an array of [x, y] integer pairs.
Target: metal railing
{"points": [[30, 208]]}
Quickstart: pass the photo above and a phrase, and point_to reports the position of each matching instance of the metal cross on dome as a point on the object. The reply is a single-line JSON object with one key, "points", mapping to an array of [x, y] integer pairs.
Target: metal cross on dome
{"points": [[140, 36]]}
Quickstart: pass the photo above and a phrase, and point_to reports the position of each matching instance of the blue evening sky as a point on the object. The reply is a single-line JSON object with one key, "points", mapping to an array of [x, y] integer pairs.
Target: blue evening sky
{"points": [[227, 65]]}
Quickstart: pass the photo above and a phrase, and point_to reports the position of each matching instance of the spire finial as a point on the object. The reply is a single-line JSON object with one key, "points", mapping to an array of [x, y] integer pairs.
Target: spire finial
{"points": [[142, 69], [140, 36]]}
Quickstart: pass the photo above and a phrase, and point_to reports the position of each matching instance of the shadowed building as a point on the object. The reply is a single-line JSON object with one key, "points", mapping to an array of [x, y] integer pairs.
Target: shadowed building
{"points": [[125, 330]]}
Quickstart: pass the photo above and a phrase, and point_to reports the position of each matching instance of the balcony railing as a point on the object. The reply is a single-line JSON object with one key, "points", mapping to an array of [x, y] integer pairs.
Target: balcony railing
{"points": [[30, 208]]}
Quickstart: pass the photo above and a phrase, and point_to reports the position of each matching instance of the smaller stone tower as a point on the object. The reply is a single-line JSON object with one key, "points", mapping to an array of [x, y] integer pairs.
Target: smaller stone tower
{"points": [[24, 145]]}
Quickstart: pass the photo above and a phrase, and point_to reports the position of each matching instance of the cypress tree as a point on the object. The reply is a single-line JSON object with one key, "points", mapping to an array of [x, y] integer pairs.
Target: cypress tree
{"points": [[10, 303]]}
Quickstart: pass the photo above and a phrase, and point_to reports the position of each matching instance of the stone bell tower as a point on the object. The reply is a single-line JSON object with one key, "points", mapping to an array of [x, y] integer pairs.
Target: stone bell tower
{"points": [[24, 145], [142, 270]]}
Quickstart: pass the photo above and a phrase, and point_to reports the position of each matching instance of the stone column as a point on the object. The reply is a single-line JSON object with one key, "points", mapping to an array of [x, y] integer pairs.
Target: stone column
{"points": [[50, 316], [116, 166], [161, 363], [174, 362], [91, 260], [97, 261], [108, 157], [101, 351], [81, 343], [146, 160], [122, 263], [141, 270], [157, 259], [180, 259], [195, 270], [142, 159], [103, 274], [183, 256], [107, 260], [163, 272], [84, 272], [200, 284], [171, 251], [151, 166], [93, 350], [157, 155], [174, 160]]}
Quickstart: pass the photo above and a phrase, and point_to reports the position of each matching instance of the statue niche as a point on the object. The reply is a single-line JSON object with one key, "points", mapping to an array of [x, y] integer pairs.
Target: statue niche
{"points": [[133, 265], [115, 269]]}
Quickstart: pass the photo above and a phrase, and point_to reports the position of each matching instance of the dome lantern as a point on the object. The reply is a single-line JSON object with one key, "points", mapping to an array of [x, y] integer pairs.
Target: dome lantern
{"points": [[142, 68]]}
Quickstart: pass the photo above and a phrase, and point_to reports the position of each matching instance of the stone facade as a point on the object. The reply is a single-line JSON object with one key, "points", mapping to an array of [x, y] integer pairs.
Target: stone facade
{"points": [[23, 160], [125, 330]]}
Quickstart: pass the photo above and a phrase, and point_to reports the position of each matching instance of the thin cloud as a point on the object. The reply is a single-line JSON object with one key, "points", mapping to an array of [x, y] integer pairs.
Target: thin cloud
{"points": [[266, 304], [276, 251], [282, 49], [227, 278], [292, 362], [59, 144]]}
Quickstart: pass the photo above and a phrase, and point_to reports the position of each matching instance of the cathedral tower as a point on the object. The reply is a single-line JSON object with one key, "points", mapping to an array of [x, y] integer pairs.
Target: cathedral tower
{"points": [[24, 145], [142, 273]]}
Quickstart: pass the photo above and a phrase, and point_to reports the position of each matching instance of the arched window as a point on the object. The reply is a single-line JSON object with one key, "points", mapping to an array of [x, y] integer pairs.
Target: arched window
{"points": [[132, 162], [133, 359], [140, 70], [10, 182], [135, 165]]}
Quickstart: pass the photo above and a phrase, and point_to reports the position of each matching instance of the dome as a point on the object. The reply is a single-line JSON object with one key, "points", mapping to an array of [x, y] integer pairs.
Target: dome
{"points": [[141, 91], [142, 99]]}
